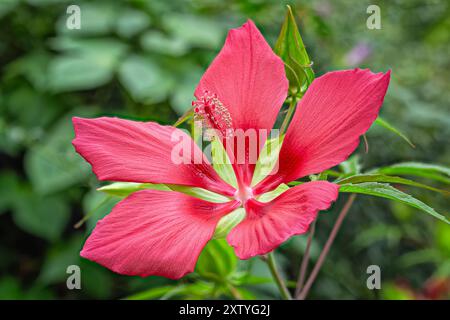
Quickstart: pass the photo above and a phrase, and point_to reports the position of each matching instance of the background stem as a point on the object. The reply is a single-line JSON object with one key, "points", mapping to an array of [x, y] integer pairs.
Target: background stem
{"points": [[277, 277], [305, 260], [327, 247], [288, 116]]}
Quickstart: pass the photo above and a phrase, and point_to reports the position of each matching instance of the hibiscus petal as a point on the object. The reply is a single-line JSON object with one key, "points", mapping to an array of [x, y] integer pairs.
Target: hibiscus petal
{"points": [[248, 78], [335, 111], [267, 225], [132, 151], [250, 81], [155, 232]]}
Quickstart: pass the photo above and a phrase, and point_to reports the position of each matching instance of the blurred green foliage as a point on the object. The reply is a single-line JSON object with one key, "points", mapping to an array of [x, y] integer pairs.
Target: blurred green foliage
{"points": [[142, 59]]}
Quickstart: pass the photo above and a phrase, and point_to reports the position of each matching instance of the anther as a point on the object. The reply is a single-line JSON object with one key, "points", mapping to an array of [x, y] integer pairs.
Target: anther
{"points": [[213, 113]]}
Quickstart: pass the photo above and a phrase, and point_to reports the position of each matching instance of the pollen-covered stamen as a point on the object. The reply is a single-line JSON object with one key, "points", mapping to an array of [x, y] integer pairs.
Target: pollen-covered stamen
{"points": [[213, 113]]}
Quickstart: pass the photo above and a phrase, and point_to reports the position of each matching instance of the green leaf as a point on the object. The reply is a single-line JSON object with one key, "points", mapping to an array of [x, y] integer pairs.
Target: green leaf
{"points": [[384, 178], [144, 79], [45, 217], [221, 163], [217, 261], [384, 190], [86, 64], [431, 171], [200, 193], [33, 66], [442, 238], [291, 49], [267, 159], [7, 6], [84, 74], [96, 19], [155, 41], [269, 196], [97, 281], [151, 294], [131, 22], [383, 123], [123, 189], [53, 165], [195, 30], [58, 258], [10, 194], [249, 279], [228, 222]]}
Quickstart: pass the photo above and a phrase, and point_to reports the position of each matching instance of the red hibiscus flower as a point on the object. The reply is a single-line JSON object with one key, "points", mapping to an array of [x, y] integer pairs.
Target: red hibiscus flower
{"points": [[153, 232]]}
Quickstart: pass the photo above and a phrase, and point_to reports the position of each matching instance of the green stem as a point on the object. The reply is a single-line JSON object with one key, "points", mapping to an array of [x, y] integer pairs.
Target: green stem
{"points": [[288, 116], [277, 277], [91, 213]]}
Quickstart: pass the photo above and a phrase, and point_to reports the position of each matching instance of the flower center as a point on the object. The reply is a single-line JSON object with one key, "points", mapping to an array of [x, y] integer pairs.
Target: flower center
{"points": [[213, 114], [243, 194]]}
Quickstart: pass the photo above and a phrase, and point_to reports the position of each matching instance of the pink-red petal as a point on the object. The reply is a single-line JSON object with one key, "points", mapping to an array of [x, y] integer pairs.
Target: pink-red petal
{"points": [[267, 225], [155, 233], [132, 151], [248, 78], [336, 110], [250, 81]]}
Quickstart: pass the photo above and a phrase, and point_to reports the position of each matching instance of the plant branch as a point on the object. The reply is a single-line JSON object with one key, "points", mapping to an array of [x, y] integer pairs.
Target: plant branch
{"points": [[305, 260], [277, 277], [288, 116], [327, 247]]}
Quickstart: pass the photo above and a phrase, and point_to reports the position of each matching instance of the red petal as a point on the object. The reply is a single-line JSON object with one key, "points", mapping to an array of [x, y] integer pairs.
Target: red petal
{"points": [[267, 225], [335, 111], [249, 79], [155, 233], [131, 151]]}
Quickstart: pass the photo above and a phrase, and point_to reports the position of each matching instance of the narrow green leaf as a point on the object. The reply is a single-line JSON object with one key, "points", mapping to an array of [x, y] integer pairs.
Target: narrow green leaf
{"points": [[383, 123], [269, 196], [267, 159], [360, 178], [200, 193], [228, 222], [291, 50], [385, 190], [185, 117], [123, 189], [431, 171], [222, 163]]}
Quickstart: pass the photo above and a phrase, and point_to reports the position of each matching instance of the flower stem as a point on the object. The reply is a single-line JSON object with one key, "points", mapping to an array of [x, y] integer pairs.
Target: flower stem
{"points": [[91, 213], [277, 277], [326, 248], [235, 293], [288, 116], [305, 260]]}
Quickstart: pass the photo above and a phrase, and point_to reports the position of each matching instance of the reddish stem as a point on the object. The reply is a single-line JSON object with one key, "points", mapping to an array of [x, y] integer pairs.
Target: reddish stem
{"points": [[305, 260], [327, 247]]}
